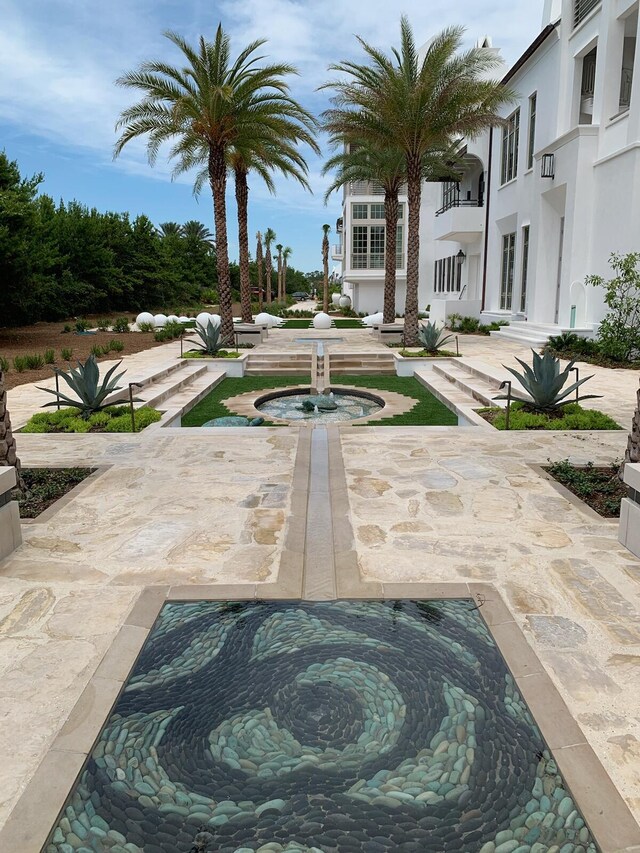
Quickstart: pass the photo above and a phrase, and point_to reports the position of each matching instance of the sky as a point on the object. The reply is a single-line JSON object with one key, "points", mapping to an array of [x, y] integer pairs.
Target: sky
{"points": [[58, 102]]}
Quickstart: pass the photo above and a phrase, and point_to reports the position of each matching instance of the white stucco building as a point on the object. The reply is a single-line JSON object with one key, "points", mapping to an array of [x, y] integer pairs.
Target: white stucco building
{"points": [[544, 201]]}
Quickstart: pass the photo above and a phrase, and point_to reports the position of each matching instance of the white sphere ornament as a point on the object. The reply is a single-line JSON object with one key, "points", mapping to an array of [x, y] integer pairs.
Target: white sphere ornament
{"points": [[160, 320], [336, 299], [322, 321], [264, 319], [345, 302], [202, 320], [144, 317], [173, 318], [216, 319], [183, 319]]}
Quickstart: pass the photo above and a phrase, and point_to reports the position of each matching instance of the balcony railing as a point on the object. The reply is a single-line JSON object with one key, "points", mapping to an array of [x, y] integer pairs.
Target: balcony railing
{"points": [[459, 202], [581, 9], [373, 261], [337, 252]]}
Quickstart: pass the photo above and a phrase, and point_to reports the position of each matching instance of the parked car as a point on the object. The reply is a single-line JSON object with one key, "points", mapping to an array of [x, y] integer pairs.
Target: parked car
{"points": [[300, 296]]}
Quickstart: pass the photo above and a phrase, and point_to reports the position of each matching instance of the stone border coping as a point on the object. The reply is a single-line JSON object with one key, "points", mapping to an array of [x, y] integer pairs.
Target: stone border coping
{"points": [[55, 507], [604, 810], [569, 495], [394, 404]]}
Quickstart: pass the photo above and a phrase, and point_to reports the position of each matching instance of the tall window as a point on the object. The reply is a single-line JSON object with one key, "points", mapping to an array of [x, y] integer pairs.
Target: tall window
{"points": [[508, 266], [525, 268], [447, 277], [510, 134], [628, 61], [368, 237], [533, 104], [581, 9]]}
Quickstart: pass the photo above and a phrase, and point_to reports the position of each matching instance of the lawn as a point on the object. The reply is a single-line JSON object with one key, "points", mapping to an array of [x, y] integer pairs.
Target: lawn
{"points": [[344, 323], [213, 405], [428, 411]]}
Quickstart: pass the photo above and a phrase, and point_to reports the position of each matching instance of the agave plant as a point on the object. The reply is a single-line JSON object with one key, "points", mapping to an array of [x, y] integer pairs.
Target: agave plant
{"points": [[209, 341], [431, 337], [85, 382], [546, 384]]}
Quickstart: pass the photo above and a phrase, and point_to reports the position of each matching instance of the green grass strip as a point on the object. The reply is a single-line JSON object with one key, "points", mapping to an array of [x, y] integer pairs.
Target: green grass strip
{"points": [[213, 405], [345, 323], [428, 411]]}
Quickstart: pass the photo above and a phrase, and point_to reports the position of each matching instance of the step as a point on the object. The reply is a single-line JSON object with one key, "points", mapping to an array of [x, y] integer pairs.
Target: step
{"points": [[157, 393], [165, 377], [481, 390], [454, 398], [277, 371], [186, 397], [536, 340]]}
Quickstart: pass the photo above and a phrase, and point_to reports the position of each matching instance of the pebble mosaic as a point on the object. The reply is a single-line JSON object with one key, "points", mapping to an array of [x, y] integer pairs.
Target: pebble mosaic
{"points": [[254, 727]]}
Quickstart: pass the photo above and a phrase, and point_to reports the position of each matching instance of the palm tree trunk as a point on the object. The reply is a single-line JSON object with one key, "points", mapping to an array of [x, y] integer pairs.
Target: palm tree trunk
{"points": [[633, 446], [268, 265], [8, 452], [260, 271], [391, 208], [218, 181], [325, 283], [284, 279], [414, 193], [242, 199], [279, 279]]}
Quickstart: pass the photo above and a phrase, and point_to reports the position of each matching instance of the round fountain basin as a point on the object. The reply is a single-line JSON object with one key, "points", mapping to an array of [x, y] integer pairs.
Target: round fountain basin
{"points": [[289, 406]]}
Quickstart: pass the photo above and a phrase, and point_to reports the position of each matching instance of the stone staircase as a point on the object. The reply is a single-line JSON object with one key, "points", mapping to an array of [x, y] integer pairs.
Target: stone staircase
{"points": [[171, 386], [463, 387], [535, 334], [361, 363], [279, 364]]}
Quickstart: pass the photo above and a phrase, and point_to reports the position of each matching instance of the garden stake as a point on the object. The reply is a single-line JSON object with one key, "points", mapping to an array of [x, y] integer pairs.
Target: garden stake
{"points": [[132, 385], [57, 389], [457, 345], [507, 383], [577, 373]]}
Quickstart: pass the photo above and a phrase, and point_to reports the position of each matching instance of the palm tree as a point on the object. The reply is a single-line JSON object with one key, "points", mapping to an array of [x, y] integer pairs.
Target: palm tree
{"points": [[198, 234], [204, 108], [269, 237], [279, 248], [325, 267], [416, 105], [169, 229], [286, 254], [259, 265], [8, 453], [633, 447]]}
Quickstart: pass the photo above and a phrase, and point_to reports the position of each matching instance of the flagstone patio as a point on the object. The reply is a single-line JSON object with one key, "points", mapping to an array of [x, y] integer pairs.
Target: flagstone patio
{"points": [[344, 512]]}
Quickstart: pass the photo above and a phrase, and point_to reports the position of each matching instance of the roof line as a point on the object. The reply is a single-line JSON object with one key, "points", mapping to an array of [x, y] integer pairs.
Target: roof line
{"points": [[533, 47]]}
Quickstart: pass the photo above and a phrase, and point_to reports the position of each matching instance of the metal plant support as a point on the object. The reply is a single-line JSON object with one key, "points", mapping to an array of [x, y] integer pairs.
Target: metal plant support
{"points": [[507, 384]]}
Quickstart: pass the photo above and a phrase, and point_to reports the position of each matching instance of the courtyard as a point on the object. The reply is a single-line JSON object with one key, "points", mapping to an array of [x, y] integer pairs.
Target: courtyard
{"points": [[337, 512]]}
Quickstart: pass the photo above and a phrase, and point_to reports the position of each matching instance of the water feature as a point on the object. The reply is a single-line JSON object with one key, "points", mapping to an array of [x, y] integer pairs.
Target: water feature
{"points": [[346, 406], [327, 726]]}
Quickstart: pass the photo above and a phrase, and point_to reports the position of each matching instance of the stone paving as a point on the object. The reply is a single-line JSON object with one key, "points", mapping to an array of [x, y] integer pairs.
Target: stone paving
{"points": [[441, 504]]}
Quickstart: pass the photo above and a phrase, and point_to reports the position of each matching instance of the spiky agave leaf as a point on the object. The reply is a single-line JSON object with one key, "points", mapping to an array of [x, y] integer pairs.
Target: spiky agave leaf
{"points": [[545, 383], [85, 382], [209, 338], [432, 338]]}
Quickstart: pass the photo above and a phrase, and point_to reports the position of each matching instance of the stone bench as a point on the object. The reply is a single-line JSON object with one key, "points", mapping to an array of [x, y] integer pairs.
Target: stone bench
{"points": [[249, 334], [392, 332], [629, 531], [10, 535]]}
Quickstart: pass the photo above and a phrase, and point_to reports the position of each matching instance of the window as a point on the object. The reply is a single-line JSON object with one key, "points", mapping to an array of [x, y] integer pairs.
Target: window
{"points": [[588, 86], [447, 276], [510, 134], [533, 104], [508, 265], [628, 61], [525, 268], [368, 238]]}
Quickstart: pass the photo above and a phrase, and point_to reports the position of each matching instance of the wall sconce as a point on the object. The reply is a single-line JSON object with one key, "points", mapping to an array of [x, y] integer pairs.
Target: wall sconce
{"points": [[548, 166], [461, 257]]}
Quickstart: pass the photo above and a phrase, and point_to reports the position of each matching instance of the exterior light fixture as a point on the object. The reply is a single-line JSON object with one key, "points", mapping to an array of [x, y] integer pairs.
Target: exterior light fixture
{"points": [[461, 257], [548, 166]]}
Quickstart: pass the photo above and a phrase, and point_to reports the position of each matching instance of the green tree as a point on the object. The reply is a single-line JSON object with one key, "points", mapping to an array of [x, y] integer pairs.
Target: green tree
{"points": [[198, 234], [259, 268], [619, 332], [170, 229], [279, 248], [325, 267], [417, 105], [286, 254], [208, 105], [269, 237]]}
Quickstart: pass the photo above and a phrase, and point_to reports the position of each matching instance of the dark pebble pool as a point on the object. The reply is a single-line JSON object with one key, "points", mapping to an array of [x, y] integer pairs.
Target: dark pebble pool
{"points": [[338, 726]]}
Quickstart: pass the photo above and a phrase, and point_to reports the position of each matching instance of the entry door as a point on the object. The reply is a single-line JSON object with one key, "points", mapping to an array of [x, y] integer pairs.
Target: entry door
{"points": [[560, 254]]}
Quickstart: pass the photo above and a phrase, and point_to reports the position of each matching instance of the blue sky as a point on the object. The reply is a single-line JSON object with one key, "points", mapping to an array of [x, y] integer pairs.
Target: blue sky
{"points": [[58, 102]]}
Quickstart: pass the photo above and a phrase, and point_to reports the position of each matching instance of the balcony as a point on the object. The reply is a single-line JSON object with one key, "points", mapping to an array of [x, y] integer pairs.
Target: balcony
{"points": [[373, 261], [581, 9], [337, 252], [460, 221]]}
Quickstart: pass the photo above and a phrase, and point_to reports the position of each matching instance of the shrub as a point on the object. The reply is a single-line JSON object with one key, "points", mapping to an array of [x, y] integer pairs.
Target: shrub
{"points": [[111, 419], [103, 324], [169, 332], [84, 381], [19, 363], [66, 353], [619, 332], [432, 338], [49, 356], [4, 364], [115, 345], [120, 325], [34, 362], [146, 327], [209, 341], [66, 329], [82, 325], [572, 416], [143, 418], [97, 350]]}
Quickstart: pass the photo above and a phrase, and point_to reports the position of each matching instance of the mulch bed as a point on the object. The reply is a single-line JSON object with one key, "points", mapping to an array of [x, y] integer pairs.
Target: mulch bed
{"points": [[47, 485], [33, 340], [599, 487]]}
